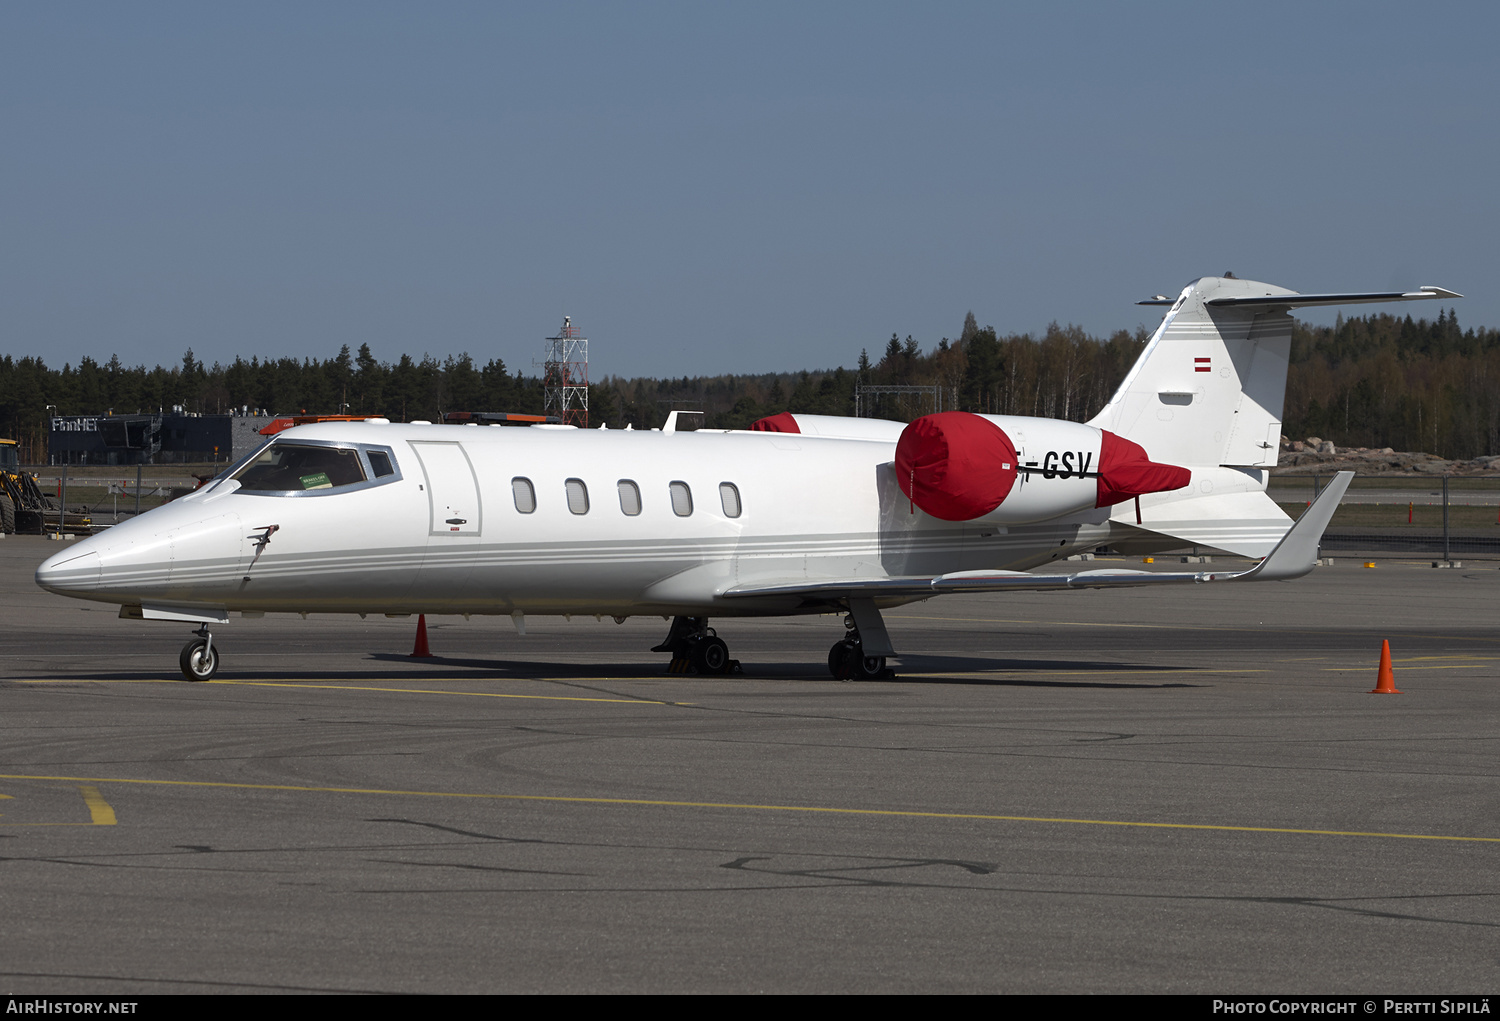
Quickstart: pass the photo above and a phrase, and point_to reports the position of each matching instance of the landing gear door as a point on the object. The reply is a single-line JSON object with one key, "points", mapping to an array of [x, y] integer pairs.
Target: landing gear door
{"points": [[452, 488]]}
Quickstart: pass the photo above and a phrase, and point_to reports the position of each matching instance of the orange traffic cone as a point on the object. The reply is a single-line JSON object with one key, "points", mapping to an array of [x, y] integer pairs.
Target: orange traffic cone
{"points": [[1385, 681], [420, 650]]}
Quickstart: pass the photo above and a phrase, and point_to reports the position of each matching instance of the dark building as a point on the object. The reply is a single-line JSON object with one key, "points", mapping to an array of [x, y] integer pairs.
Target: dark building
{"points": [[153, 439]]}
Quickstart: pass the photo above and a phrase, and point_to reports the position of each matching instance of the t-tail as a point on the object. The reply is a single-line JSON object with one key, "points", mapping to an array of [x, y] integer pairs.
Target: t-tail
{"points": [[1209, 388], [1207, 394]]}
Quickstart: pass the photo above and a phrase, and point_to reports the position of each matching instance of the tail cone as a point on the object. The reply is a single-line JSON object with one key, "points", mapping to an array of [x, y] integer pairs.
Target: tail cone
{"points": [[1125, 472], [420, 650], [1385, 681]]}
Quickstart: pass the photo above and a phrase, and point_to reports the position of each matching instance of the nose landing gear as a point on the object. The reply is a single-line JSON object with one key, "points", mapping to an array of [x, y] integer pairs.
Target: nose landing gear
{"points": [[199, 659]]}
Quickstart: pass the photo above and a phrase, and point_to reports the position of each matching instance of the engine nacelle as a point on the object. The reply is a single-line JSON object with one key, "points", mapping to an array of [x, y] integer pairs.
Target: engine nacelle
{"points": [[959, 466]]}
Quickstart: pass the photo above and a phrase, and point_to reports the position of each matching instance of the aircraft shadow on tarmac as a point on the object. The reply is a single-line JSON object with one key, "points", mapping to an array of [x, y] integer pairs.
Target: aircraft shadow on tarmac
{"points": [[955, 667], [928, 670], [948, 670], [1082, 673]]}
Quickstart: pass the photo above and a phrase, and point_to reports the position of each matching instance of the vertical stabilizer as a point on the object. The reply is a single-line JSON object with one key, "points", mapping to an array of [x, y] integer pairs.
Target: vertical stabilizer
{"points": [[1209, 387]]}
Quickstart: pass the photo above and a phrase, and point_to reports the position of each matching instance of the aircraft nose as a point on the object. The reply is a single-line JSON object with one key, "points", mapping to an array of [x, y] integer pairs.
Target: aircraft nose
{"points": [[70, 572]]}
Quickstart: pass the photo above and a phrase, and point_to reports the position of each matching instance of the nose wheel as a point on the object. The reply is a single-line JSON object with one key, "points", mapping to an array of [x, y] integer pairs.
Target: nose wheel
{"points": [[199, 659]]}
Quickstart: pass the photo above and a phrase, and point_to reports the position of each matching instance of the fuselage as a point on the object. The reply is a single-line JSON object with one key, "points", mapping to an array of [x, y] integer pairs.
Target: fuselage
{"points": [[492, 520]]}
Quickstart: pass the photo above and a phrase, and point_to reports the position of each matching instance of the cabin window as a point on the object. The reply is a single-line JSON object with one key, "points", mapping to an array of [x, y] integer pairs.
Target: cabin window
{"points": [[630, 498], [294, 468], [380, 463], [525, 495], [729, 496], [578, 496], [682, 499]]}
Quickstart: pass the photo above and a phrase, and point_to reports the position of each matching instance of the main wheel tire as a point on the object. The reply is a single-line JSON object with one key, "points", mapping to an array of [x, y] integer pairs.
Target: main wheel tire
{"points": [[841, 659], [8, 515], [847, 661], [710, 655], [199, 660]]}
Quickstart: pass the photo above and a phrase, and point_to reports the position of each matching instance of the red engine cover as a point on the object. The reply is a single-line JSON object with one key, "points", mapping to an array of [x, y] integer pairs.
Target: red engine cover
{"points": [[1125, 471], [782, 423], [954, 465]]}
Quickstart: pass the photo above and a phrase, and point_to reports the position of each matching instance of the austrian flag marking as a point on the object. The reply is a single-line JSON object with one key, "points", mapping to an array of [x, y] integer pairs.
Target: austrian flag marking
{"points": [[1202, 365]]}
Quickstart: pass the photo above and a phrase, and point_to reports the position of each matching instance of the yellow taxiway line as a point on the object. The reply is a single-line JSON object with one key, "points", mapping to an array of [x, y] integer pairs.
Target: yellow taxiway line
{"points": [[746, 807], [1407, 667], [100, 813], [99, 810]]}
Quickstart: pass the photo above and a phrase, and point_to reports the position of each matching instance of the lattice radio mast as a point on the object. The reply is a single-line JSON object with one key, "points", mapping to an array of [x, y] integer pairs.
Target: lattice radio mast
{"points": [[565, 376]]}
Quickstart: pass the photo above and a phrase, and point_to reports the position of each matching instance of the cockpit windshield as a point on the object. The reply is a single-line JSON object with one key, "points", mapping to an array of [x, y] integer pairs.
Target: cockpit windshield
{"points": [[292, 467]]}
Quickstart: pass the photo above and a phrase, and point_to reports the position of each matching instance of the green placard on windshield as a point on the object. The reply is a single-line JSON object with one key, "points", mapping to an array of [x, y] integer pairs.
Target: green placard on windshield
{"points": [[318, 480]]}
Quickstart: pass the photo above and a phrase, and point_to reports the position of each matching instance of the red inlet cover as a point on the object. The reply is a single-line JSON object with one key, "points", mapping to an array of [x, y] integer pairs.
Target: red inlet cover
{"points": [[1125, 472], [782, 423], [954, 465]]}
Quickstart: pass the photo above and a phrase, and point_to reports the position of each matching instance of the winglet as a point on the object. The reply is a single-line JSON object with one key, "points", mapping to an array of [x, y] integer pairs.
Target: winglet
{"points": [[1297, 552]]}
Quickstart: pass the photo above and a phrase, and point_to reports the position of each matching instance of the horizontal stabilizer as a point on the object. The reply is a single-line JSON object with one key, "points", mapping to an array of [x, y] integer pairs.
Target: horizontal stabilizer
{"points": [[1292, 300], [1306, 300]]}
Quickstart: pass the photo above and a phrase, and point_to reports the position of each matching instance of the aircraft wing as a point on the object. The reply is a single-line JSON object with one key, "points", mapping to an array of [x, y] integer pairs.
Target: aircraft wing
{"points": [[1295, 555]]}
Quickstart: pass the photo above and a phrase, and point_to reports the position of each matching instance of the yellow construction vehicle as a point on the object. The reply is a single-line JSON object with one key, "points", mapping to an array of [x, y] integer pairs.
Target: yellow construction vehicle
{"points": [[23, 505]]}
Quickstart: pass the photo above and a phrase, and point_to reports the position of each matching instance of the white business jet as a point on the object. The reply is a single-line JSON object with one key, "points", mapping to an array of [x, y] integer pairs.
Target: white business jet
{"points": [[800, 514]]}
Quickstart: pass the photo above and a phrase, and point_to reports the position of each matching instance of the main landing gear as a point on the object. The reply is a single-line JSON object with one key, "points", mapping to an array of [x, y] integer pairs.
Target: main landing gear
{"points": [[847, 660], [199, 659], [694, 646], [861, 655]]}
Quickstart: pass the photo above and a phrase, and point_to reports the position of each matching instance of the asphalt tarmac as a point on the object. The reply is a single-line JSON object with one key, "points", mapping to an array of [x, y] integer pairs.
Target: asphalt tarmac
{"points": [[1125, 791]]}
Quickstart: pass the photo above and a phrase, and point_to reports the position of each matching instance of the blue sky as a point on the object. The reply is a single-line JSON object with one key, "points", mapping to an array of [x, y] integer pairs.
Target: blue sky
{"points": [[716, 187]]}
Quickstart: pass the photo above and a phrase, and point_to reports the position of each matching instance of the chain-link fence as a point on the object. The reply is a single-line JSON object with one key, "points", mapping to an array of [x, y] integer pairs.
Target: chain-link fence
{"points": [[1440, 516]]}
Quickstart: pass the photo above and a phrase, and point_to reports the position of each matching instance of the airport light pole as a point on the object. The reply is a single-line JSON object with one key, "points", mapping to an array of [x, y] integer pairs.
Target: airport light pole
{"points": [[50, 411]]}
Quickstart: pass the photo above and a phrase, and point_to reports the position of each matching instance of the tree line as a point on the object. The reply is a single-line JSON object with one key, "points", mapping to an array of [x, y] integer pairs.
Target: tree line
{"points": [[1388, 381], [1371, 381]]}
